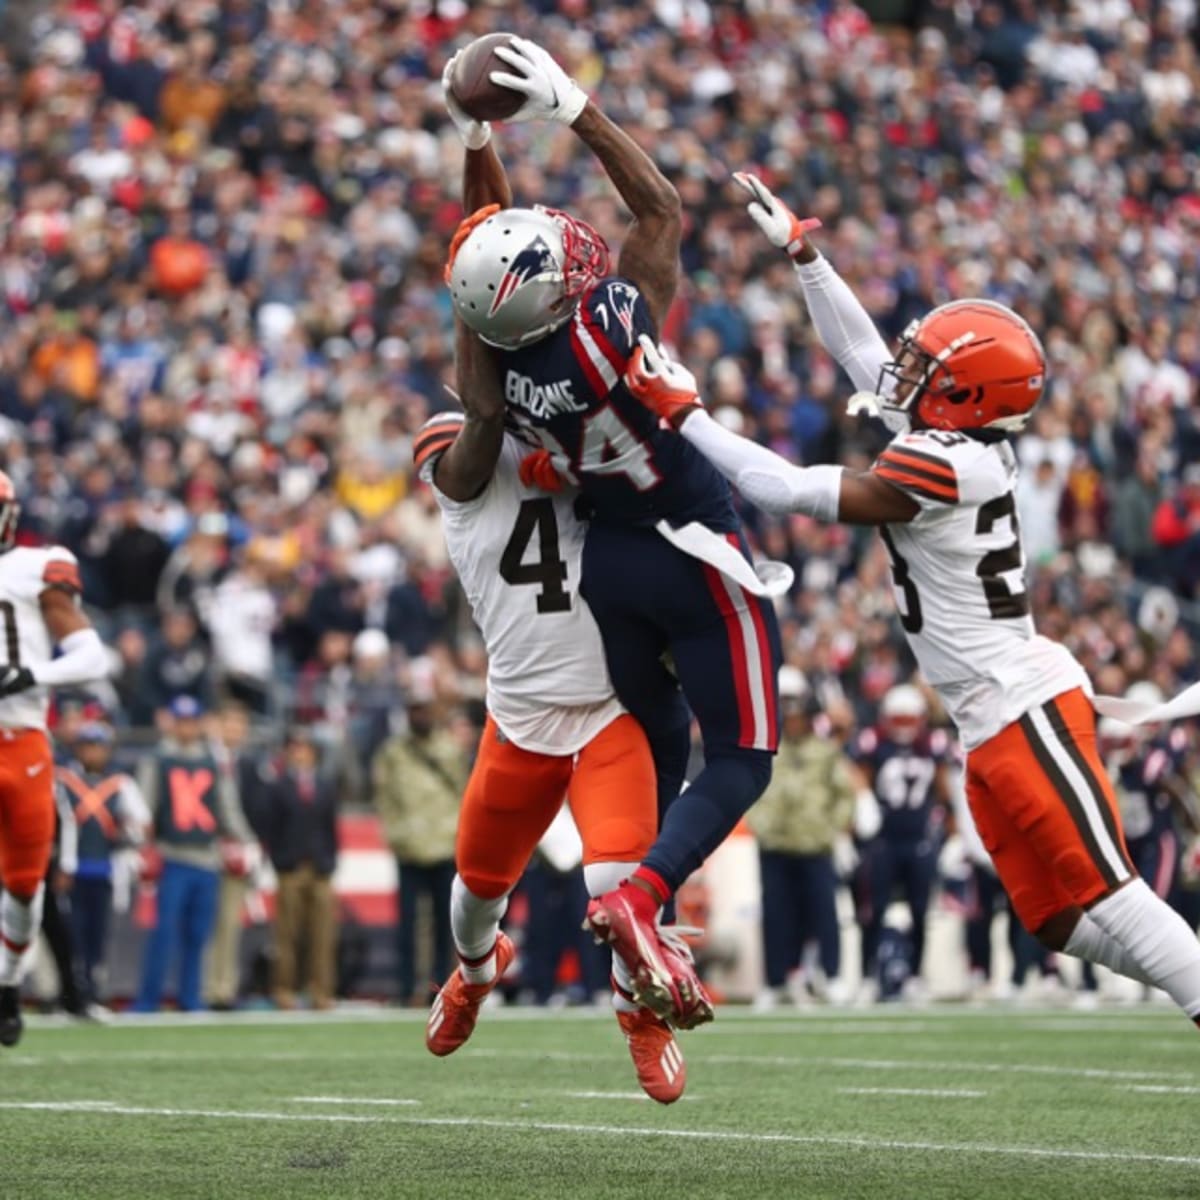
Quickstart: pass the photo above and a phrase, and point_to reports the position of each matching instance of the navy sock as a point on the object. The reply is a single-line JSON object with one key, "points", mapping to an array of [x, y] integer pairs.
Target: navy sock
{"points": [[705, 815]]}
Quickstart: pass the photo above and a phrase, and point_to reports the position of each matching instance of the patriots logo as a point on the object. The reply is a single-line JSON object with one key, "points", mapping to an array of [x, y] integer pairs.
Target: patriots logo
{"points": [[534, 260]]}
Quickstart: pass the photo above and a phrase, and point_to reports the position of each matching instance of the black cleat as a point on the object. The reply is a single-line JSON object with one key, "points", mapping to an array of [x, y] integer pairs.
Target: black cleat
{"points": [[11, 1024]]}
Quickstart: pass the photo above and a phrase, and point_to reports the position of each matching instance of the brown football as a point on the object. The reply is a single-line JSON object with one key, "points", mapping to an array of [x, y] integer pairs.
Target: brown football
{"points": [[478, 95]]}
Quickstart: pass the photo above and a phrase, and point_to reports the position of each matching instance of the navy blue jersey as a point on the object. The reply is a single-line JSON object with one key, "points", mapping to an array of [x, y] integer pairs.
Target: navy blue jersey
{"points": [[902, 779], [566, 392], [1145, 785]]}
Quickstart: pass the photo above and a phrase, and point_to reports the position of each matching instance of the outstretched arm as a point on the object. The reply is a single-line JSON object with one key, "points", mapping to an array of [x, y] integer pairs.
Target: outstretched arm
{"points": [[463, 471], [650, 255], [769, 482], [843, 325]]}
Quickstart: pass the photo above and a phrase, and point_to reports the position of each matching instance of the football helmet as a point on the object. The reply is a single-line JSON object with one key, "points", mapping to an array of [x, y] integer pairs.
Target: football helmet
{"points": [[520, 273], [903, 713], [969, 364], [10, 513]]}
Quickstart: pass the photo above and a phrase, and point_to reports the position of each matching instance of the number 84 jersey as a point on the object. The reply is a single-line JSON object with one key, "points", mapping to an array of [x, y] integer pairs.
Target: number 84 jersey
{"points": [[958, 570], [517, 551]]}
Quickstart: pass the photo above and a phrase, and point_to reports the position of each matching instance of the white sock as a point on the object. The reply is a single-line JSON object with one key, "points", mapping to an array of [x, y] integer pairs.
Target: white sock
{"points": [[1090, 942], [1156, 939], [600, 878], [19, 923], [475, 922]]}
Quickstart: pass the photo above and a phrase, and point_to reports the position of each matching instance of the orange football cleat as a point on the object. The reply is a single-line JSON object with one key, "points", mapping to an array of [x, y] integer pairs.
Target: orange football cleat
{"points": [[456, 1007], [656, 1055]]}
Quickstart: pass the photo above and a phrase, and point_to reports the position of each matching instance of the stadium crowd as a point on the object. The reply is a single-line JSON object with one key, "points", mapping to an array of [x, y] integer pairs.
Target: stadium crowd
{"points": [[222, 228]]}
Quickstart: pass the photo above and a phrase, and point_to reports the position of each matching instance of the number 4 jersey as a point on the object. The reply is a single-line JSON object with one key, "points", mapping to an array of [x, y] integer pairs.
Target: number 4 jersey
{"points": [[959, 576], [25, 573], [517, 551]]}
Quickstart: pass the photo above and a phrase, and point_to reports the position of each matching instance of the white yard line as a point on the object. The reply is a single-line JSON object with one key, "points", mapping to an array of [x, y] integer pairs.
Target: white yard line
{"points": [[614, 1096], [1163, 1090], [385, 1102], [620, 1131], [940, 1093]]}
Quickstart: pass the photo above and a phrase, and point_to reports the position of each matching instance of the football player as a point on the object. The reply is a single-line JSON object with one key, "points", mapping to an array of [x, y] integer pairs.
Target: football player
{"points": [[967, 375], [554, 726], [904, 761], [39, 610], [665, 565]]}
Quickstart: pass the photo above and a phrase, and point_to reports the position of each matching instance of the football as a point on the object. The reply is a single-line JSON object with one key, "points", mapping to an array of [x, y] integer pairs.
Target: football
{"points": [[478, 95]]}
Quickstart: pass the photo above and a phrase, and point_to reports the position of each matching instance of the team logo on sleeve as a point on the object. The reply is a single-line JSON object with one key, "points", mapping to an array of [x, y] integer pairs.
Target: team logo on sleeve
{"points": [[534, 260]]}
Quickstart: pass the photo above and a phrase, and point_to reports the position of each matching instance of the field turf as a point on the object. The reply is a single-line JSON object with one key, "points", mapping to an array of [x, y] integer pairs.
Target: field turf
{"points": [[939, 1102]]}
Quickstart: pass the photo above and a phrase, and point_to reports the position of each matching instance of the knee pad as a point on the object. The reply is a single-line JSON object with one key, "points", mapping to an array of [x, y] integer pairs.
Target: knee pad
{"points": [[618, 839], [485, 884]]}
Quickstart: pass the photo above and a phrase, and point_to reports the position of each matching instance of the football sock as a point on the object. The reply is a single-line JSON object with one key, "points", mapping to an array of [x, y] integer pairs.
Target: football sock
{"points": [[1089, 942], [622, 982], [1157, 940], [475, 922], [705, 815], [19, 923], [599, 878]]}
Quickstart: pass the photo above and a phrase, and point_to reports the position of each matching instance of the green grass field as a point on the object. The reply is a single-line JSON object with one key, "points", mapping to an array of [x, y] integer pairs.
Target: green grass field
{"points": [[940, 1102]]}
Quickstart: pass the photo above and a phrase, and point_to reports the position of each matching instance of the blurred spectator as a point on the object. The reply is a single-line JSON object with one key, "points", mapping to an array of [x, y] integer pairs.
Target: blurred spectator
{"points": [[419, 777], [805, 812], [193, 804], [222, 971], [107, 813], [299, 808], [178, 664]]}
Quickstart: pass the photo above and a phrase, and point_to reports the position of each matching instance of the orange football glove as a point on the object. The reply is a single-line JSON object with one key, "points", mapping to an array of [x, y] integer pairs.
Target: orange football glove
{"points": [[465, 226], [537, 469], [667, 388]]}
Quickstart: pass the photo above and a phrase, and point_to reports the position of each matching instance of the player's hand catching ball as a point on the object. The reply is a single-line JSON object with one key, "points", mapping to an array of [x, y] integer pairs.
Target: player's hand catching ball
{"points": [[665, 387], [475, 134], [782, 227], [552, 94], [15, 679]]}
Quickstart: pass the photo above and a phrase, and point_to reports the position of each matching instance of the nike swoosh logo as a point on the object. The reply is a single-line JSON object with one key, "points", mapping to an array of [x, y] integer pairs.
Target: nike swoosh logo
{"points": [[36, 769]]}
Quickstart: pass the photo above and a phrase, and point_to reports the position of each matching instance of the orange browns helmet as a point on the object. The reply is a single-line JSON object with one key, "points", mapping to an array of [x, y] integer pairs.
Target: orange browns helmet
{"points": [[969, 364], [10, 513]]}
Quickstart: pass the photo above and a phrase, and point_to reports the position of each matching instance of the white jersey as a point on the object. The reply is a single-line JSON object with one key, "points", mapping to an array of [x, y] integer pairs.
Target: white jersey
{"points": [[517, 551], [25, 573], [959, 575]]}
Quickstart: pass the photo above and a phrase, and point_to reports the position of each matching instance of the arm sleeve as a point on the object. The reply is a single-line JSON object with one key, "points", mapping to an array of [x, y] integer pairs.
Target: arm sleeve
{"points": [[843, 325], [83, 660], [764, 479]]}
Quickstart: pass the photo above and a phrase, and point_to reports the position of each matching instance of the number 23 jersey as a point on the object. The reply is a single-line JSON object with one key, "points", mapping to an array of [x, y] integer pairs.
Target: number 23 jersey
{"points": [[958, 570], [517, 551]]}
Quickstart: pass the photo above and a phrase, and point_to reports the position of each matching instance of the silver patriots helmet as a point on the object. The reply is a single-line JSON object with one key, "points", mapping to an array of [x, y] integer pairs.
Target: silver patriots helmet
{"points": [[520, 273]]}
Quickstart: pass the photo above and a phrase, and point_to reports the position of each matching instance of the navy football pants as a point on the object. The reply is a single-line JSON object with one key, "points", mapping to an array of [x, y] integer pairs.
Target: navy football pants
{"points": [[912, 865], [677, 635]]}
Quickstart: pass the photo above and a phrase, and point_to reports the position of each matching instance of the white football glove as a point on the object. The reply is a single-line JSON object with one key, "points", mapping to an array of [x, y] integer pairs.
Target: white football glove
{"points": [[552, 94], [782, 227], [845, 856], [475, 134]]}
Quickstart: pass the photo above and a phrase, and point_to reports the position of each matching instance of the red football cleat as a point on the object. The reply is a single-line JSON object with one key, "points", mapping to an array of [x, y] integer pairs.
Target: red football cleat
{"points": [[456, 1007], [656, 1055], [659, 960]]}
